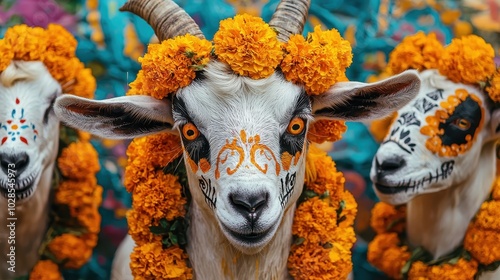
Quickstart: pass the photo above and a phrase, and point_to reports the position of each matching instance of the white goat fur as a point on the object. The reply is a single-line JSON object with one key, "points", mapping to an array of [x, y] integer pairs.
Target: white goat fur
{"points": [[34, 87], [438, 213], [222, 105]]}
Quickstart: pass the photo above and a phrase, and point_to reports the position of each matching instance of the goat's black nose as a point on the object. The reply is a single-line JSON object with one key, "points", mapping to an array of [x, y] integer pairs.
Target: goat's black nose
{"points": [[389, 165], [249, 205], [14, 163]]}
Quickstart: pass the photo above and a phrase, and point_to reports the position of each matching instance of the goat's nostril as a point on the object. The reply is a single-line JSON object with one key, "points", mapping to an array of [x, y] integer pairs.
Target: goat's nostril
{"points": [[390, 165], [14, 162], [249, 203]]}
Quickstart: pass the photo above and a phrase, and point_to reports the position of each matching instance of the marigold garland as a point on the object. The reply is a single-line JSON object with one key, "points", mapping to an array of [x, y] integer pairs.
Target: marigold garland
{"points": [[480, 251], [251, 48], [322, 228], [74, 220]]}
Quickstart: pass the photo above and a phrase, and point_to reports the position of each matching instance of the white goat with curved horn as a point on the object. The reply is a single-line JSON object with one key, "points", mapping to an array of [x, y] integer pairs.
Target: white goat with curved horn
{"points": [[247, 217]]}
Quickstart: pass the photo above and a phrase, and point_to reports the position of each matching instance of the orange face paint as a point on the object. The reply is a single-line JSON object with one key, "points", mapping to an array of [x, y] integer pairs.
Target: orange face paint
{"points": [[230, 149]]}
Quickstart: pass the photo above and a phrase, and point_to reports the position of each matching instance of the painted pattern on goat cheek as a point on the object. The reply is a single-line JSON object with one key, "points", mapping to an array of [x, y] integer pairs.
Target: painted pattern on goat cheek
{"points": [[453, 129]]}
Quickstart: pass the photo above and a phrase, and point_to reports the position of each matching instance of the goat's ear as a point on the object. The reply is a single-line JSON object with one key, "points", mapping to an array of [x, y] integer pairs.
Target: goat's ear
{"points": [[495, 123], [123, 117], [355, 101]]}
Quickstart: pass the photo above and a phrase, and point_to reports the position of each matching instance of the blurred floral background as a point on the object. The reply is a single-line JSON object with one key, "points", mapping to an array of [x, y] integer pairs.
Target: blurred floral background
{"points": [[110, 42]]}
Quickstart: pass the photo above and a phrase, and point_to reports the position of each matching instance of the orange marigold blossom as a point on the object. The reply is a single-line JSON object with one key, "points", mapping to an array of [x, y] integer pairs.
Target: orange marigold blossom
{"points": [[385, 253], [71, 249], [493, 87], [388, 218], [139, 224], [462, 270], [311, 221], [171, 65], [160, 197], [55, 47], [418, 51], [326, 130], [78, 161], [45, 270], [468, 59], [249, 45], [317, 62], [150, 262]]}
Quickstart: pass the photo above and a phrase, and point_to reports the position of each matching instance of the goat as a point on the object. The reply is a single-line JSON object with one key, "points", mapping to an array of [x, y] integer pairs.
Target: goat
{"points": [[221, 107]]}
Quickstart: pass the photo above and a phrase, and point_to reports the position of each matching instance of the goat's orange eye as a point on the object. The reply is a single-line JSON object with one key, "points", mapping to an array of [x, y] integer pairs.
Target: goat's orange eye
{"points": [[463, 124], [190, 132], [296, 126]]}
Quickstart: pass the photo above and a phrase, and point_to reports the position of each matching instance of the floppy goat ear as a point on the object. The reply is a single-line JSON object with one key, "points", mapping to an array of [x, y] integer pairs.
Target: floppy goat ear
{"points": [[123, 117], [355, 101]]}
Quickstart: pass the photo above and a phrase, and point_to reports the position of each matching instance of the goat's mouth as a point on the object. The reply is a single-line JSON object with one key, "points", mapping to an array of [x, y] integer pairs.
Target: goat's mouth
{"points": [[19, 189], [252, 239]]}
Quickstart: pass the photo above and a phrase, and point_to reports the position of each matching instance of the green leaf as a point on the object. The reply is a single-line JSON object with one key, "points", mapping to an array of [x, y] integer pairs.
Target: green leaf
{"points": [[299, 240], [158, 230], [328, 245]]}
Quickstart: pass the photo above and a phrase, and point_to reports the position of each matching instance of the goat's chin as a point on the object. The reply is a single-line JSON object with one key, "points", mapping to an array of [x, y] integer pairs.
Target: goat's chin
{"points": [[249, 244]]}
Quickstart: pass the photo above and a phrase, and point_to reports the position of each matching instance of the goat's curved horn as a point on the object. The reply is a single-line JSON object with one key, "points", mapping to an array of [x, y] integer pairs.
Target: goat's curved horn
{"points": [[165, 17], [289, 18]]}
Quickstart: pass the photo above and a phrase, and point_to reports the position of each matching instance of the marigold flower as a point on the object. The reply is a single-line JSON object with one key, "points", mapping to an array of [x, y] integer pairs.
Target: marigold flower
{"points": [[248, 45], [138, 227], [322, 175], [78, 161], [315, 221], [462, 270], [310, 261], [160, 196], [171, 65], [45, 270], [418, 51], [71, 250], [388, 218], [317, 62], [28, 43], [6, 54], [385, 253], [60, 42], [150, 262], [493, 87], [468, 59], [326, 130], [349, 211]]}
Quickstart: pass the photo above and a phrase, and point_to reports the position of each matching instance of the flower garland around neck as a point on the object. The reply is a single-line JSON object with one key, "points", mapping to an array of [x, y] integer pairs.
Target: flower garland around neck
{"points": [[155, 173], [480, 251], [468, 60], [74, 218]]}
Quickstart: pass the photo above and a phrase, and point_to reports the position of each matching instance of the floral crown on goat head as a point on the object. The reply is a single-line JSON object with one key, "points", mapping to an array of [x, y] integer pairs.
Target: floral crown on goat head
{"points": [[55, 47], [252, 49], [468, 60]]}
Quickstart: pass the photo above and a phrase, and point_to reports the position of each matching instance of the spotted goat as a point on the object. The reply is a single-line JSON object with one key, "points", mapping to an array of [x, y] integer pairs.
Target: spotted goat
{"points": [[234, 130]]}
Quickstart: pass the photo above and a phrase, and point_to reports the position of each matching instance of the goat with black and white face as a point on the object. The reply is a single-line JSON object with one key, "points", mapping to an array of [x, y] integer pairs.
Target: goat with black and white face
{"points": [[244, 145]]}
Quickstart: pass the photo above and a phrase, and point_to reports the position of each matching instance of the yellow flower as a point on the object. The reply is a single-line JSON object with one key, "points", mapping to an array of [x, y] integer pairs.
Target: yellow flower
{"points": [[313, 262], [160, 196], [6, 54], [380, 128], [385, 254], [171, 65], [314, 221], [28, 43], [322, 175], [78, 161], [468, 59], [462, 270], [45, 270], [248, 45], [71, 250], [317, 62], [60, 42], [326, 130], [350, 210], [139, 224], [84, 85], [418, 51], [150, 262], [493, 87], [388, 218]]}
